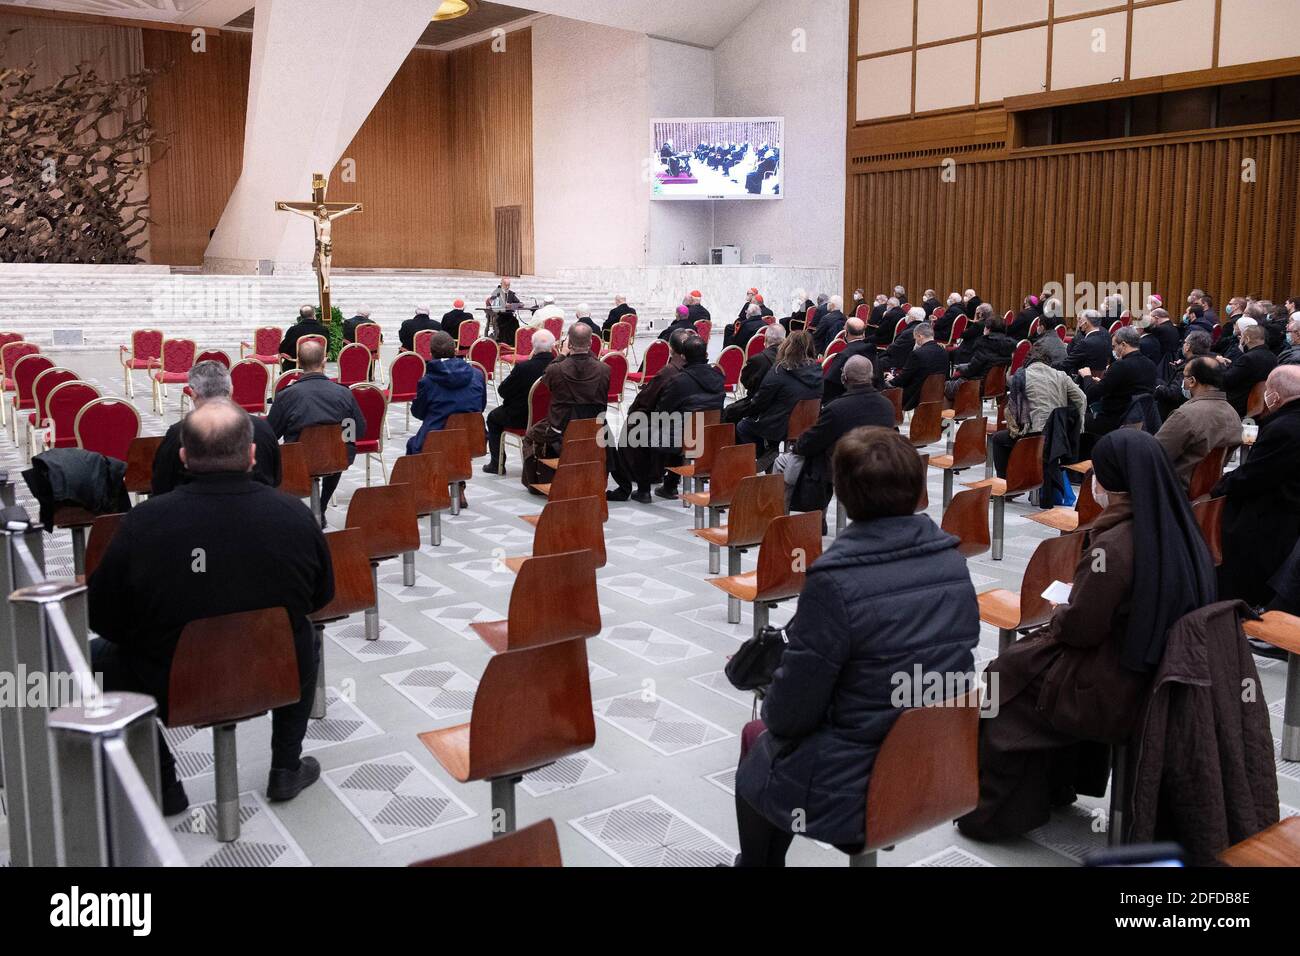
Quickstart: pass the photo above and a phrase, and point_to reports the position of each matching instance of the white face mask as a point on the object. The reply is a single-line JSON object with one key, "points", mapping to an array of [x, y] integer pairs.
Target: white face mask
{"points": [[1099, 493], [1271, 399]]}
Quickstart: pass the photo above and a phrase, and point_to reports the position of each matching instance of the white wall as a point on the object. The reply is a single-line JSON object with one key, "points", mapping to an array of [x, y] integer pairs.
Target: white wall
{"points": [[591, 116], [759, 74]]}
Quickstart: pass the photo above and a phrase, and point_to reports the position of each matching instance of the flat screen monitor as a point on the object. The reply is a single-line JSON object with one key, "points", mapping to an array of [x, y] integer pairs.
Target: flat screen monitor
{"points": [[712, 158]]}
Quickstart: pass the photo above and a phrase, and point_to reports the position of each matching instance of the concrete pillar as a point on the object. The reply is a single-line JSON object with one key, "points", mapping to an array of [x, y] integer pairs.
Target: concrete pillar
{"points": [[318, 69]]}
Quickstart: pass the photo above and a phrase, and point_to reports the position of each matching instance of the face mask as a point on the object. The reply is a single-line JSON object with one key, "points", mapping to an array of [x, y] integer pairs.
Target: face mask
{"points": [[1099, 493], [1116, 354], [1187, 392], [1271, 400]]}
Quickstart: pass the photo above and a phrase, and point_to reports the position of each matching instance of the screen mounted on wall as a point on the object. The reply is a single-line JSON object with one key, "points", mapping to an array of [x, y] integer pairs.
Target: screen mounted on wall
{"points": [[737, 158]]}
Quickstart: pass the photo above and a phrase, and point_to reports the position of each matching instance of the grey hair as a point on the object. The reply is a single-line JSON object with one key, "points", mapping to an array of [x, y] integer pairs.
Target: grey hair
{"points": [[1092, 315], [583, 311], [923, 330], [775, 334], [543, 341], [837, 302], [210, 380], [753, 309], [1127, 335]]}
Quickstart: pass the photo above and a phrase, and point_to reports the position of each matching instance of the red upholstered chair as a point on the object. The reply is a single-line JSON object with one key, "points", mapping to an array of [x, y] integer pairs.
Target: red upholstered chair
{"points": [[836, 347], [38, 419], [250, 379], [1018, 357], [629, 320], [704, 329], [265, 347], [863, 312], [554, 325], [10, 353], [213, 355], [958, 330], [374, 407], [470, 331], [485, 354], [1061, 334], [620, 337], [1035, 327], [656, 357], [108, 426], [285, 379], [755, 345], [26, 370], [7, 337], [539, 406], [64, 405], [354, 364], [1115, 327], [404, 381], [900, 325], [423, 345], [617, 363], [372, 337], [172, 368], [523, 348], [731, 361], [145, 348]]}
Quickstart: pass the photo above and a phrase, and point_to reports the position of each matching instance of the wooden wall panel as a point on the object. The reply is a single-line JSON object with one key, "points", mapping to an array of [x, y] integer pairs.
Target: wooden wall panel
{"points": [[1177, 216], [449, 141], [198, 102], [492, 146]]}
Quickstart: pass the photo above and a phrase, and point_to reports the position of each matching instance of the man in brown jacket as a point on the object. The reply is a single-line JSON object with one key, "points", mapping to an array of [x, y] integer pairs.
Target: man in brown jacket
{"points": [[1203, 423], [579, 386]]}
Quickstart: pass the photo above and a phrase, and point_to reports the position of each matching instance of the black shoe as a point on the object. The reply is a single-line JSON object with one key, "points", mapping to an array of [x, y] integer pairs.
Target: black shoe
{"points": [[667, 492], [287, 784], [491, 468], [643, 497], [618, 494], [1264, 649], [174, 800]]}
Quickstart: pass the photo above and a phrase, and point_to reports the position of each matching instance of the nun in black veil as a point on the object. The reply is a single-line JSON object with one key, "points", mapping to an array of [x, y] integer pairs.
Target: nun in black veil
{"points": [[1071, 689]]}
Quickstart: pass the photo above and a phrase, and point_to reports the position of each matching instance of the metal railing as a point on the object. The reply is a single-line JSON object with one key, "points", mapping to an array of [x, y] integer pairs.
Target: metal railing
{"points": [[80, 766]]}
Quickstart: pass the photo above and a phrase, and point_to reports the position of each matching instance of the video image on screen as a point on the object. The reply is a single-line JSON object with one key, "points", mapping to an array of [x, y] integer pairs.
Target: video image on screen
{"points": [[718, 158]]}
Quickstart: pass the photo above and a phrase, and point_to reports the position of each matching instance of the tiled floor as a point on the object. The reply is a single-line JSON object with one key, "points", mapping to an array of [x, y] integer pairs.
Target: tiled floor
{"points": [[657, 788]]}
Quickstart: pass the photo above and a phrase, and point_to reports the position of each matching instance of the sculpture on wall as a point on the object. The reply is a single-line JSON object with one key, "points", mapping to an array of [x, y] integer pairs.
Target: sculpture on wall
{"points": [[71, 158]]}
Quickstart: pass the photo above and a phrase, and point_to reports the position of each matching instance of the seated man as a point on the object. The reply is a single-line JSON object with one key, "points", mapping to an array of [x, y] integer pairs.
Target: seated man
{"points": [[579, 384], [697, 387], [752, 324], [549, 310], [796, 377], [208, 381], [450, 385], [1261, 518], [452, 320], [636, 460], [307, 324], [928, 358], [616, 315], [809, 477], [901, 347], [1128, 377], [1090, 347], [512, 412], [421, 323], [1033, 394], [682, 320], [582, 316], [754, 371], [260, 548], [994, 348], [1202, 423], [1248, 369], [892, 595], [855, 338], [315, 400], [1169, 391], [829, 325], [350, 326]]}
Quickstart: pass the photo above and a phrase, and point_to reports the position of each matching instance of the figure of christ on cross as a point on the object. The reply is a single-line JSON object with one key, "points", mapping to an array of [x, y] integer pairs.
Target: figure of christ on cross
{"points": [[322, 214]]}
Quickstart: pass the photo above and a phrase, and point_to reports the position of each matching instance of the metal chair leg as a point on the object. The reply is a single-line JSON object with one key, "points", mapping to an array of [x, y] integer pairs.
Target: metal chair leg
{"points": [[733, 603], [859, 860], [435, 529], [761, 611], [1291, 710], [318, 703], [408, 569], [715, 553], [503, 805], [948, 475], [999, 524], [227, 780], [372, 613]]}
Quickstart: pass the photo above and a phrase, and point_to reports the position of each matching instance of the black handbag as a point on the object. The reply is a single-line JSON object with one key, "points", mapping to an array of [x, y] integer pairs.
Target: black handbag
{"points": [[753, 666]]}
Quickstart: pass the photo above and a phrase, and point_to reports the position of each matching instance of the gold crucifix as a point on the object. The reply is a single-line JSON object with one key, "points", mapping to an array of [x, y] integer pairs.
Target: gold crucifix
{"points": [[322, 214]]}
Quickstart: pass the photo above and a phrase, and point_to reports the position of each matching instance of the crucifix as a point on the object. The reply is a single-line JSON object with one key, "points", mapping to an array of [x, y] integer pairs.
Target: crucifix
{"points": [[322, 215]]}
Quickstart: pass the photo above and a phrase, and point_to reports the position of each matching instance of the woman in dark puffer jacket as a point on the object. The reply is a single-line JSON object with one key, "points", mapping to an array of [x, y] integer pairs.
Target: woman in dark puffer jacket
{"points": [[890, 595], [796, 376]]}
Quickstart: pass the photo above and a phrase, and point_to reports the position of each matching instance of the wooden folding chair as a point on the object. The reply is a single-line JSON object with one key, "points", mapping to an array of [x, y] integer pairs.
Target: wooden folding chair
{"points": [[432, 493], [1067, 520], [1282, 630], [570, 525], [701, 447], [1279, 845], [731, 465], [451, 450], [532, 708], [895, 396], [475, 429], [139, 464], [295, 478], [1024, 474], [1055, 559], [576, 453], [1209, 518], [967, 403], [926, 775], [790, 545], [226, 670], [927, 424], [969, 450], [802, 418], [587, 480], [386, 516], [759, 500], [1207, 474], [554, 599], [354, 591], [326, 454], [101, 535], [534, 846], [967, 517]]}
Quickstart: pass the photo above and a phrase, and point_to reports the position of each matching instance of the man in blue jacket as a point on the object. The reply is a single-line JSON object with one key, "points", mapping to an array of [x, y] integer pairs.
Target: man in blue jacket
{"points": [[450, 386]]}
